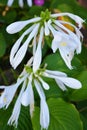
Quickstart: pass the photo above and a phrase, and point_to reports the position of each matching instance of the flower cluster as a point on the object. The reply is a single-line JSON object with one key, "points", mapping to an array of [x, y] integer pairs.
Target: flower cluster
{"points": [[26, 96], [63, 39]]}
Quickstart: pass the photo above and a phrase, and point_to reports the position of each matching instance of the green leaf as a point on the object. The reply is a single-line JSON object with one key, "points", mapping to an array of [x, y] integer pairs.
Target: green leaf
{"points": [[81, 94], [63, 116], [24, 122], [2, 45]]}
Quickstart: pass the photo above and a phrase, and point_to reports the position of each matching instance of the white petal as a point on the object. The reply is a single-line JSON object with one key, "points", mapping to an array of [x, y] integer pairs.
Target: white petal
{"points": [[29, 2], [18, 42], [56, 73], [79, 34], [60, 84], [66, 57], [10, 2], [16, 111], [39, 89], [76, 18], [47, 32], [44, 115], [71, 82], [22, 51], [18, 26], [28, 97], [54, 46], [44, 84], [21, 3], [38, 53], [9, 92]]}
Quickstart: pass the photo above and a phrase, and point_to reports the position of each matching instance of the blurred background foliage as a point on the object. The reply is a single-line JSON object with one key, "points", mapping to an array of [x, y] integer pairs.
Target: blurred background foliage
{"points": [[8, 75]]}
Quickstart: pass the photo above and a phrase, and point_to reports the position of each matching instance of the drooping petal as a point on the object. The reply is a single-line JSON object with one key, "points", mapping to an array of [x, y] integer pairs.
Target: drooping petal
{"points": [[22, 51], [44, 111], [18, 26], [10, 2], [38, 53], [77, 40], [7, 95], [9, 92], [67, 57], [44, 84], [76, 18], [29, 2], [18, 43], [44, 115], [16, 111]]}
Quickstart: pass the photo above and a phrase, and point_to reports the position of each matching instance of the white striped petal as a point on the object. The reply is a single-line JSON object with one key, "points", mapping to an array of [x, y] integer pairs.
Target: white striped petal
{"points": [[28, 97], [71, 82], [22, 51], [18, 43], [44, 111], [18, 26], [10, 2], [16, 111], [38, 53]]}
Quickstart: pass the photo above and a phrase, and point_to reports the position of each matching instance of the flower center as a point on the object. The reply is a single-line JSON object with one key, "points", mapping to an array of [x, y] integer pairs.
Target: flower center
{"points": [[63, 44], [45, 15]]}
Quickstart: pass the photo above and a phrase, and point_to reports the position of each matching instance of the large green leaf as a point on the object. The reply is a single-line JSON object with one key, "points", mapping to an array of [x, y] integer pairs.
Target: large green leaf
{"points": [[24, 122], [63, 116], [81, 94]]}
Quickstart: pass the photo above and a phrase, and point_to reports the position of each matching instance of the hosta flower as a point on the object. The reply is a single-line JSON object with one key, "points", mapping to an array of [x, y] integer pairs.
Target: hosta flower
{"points": [[63, 39], [29, 79], [21, 3]]}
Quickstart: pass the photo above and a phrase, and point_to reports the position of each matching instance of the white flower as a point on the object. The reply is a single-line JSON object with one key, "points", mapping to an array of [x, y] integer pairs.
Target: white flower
{"points": [[63, 39], [29, 79], [21, 3]]}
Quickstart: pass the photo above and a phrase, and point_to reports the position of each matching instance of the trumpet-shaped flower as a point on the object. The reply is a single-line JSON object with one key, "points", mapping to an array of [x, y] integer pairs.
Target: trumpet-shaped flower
{"points": [[29, 78], [21, 3], [63, 39]]}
